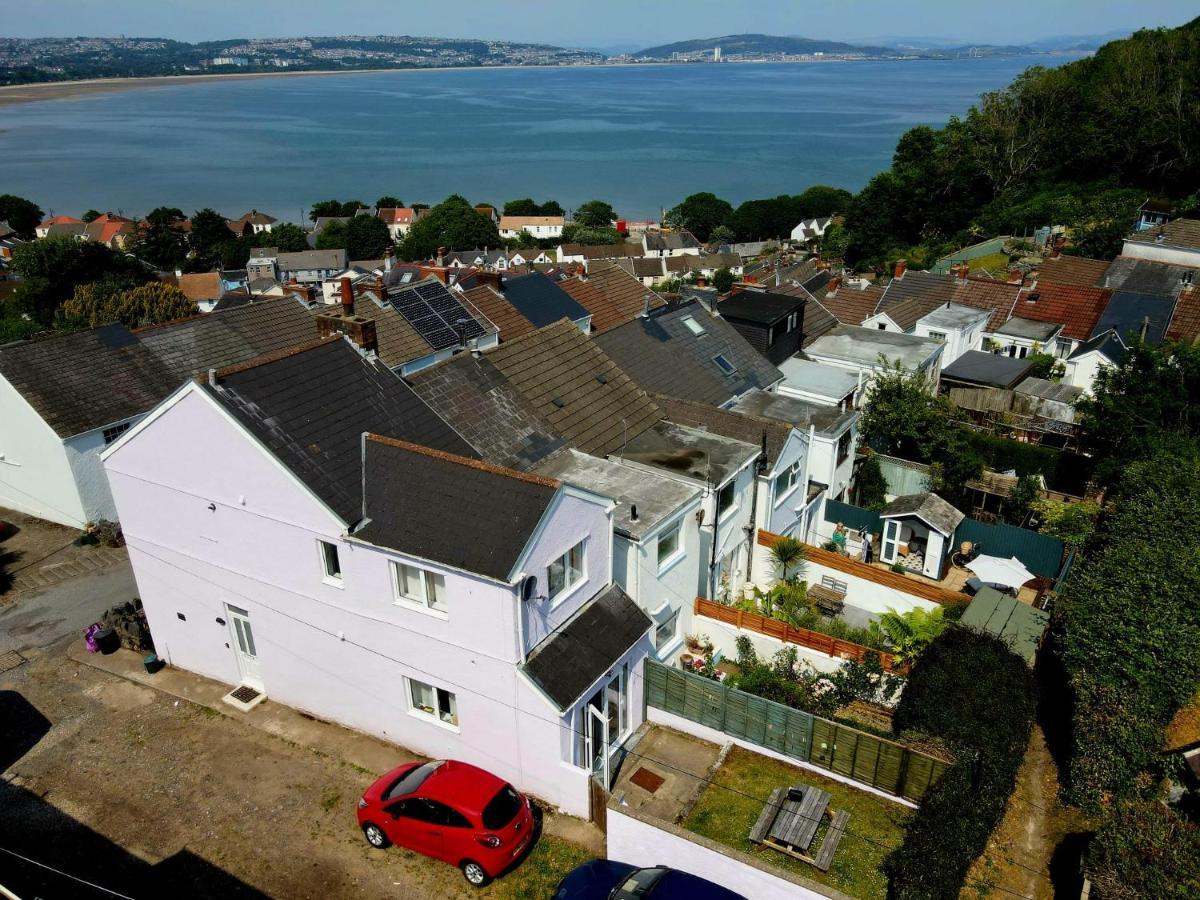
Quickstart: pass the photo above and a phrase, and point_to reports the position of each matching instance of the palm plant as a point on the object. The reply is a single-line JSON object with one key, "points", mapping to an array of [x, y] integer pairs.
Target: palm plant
{"points": [[911, 632], [788, 556]]}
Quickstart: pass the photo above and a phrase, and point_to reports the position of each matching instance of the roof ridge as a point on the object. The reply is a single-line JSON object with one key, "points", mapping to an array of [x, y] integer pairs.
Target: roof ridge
{"points": [[274, 356], [480, 465]]}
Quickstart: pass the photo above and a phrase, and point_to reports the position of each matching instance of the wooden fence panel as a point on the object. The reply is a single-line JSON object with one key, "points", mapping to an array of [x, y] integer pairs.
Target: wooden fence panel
{"points": [[847, 751]]}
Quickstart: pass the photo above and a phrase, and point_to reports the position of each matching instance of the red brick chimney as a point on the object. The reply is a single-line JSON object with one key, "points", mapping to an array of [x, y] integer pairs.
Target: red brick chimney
{"points": [[901, 267], [834, 283], [347, 297], [359, 329], [491, 279]]}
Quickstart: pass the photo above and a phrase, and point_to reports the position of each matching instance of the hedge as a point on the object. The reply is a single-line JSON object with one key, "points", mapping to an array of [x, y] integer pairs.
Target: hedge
{"points": [[1065, 472], [971, 690], [1128, 627], [1145, 852]]}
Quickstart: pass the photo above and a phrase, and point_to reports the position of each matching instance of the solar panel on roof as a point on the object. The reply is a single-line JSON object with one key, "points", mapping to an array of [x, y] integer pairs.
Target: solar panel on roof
{"points": [[436, 315]]}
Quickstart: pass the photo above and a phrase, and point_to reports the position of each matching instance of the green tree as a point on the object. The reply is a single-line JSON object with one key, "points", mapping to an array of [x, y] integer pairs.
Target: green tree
{"points": [[289, 238], [1044, 365], [902, 416], [821, 200], [722, 234], [387, 201], [1139, 403], [523, 207], [584, 234], [700, 214], [1145, 851], [551, 208], [723, 280], [788, 556], [362, 237], [23, 216], [165, 215], [870, 485], [103, 302], [91, 215], [1018, 504], [910, 633], [1071, 523], [452, 224], [595, 214], [208, 233], [326, 209], [160, 243], [52, 268]]}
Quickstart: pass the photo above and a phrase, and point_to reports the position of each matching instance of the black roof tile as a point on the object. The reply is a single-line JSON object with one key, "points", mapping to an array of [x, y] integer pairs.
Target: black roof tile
{"points": [[540, 300], [574, 657]]}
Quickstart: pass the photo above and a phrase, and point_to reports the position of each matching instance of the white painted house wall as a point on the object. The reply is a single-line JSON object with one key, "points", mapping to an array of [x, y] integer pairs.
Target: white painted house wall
{"points": [[1164, 253], [777, 511], [1083, 369], [339, 652]]}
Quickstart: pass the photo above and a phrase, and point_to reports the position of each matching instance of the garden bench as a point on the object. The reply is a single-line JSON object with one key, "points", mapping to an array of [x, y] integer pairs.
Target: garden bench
{"points": [[829, 596]]}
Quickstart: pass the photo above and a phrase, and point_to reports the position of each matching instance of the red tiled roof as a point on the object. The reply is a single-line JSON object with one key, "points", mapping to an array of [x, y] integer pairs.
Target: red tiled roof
{"points": [[612, 296], [502, 314], [1075, 307], [852, 305], [1078, 270], [61, 220], [395, 215], [997, 297], [1185, 323]]}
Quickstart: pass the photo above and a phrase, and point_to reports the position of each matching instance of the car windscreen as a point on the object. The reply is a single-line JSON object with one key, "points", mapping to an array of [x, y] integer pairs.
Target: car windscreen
{"points": [[412, 780], [502, 808], [638, 884]]}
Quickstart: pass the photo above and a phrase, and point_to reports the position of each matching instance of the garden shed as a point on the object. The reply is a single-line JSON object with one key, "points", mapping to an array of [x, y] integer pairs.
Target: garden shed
{"points": [[918, 533]]}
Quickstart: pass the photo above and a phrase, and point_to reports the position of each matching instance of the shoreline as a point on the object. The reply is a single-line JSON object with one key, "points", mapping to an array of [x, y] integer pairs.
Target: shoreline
{"points": [[16, 94]]}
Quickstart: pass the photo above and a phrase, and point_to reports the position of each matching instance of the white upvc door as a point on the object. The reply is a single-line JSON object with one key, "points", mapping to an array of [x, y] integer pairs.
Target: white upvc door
{"points": [[598, 743], [244, 647], [891, 537]]}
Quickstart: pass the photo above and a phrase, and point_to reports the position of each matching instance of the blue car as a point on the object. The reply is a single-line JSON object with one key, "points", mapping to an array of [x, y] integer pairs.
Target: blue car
{"points": [[604, 879]]}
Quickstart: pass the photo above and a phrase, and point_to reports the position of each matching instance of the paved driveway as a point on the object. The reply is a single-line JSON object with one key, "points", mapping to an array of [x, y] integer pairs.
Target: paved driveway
{"points": [[37, 618]]}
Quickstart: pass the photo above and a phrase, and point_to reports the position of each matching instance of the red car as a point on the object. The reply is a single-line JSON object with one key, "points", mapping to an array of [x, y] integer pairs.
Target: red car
{"points": [[452, 811]]}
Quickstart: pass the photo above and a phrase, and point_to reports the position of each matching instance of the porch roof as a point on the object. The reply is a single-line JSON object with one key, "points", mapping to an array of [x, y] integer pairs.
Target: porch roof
{"points": [[575, 656]]}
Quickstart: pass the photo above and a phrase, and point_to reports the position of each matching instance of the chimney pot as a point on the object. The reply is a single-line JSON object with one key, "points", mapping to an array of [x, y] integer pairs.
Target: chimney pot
{"points": [[901, 268], [633, 513], [834, 283], [347, 296]]}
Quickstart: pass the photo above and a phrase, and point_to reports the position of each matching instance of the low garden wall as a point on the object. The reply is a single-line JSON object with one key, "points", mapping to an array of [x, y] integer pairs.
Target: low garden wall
{"points": [[641, 840]]}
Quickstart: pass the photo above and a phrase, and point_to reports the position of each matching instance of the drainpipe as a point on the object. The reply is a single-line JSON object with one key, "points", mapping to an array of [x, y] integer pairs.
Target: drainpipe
{"points": [[520, 606], [760, 469], [807, 473]]}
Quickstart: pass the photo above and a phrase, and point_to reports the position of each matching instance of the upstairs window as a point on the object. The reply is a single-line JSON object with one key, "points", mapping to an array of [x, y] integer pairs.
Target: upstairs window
{"points": [[665, 632], [331, 566], [669, 544], [844, 443], [725, 498], [566, 571], [939, 336], [419, 586]]}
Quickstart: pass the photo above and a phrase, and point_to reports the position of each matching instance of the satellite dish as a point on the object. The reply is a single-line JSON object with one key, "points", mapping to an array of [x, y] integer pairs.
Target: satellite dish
{"points": [[529, 588]]}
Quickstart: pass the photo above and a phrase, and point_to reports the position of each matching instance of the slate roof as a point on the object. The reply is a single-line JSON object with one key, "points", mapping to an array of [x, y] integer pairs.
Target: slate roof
{"points": [[1127, 310], [1075, 307], [1049, 390], [736, 425], [663, 355], [311, 259], [992, 369], [575, 656], [931, 508], [917, 284], [1183, 233], [1146, 276], [540, 300], [90, 379], [604, 251], [575, 388], [851, 305], [1185, 322], [818, 319], [1106, 343], [1075, 270], [503, 314], [310, 406], [759, 307], [450, 509], [474, 397]]}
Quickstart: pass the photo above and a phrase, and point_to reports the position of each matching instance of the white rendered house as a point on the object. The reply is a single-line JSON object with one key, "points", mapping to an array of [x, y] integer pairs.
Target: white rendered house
{"points": [[416, 594]]}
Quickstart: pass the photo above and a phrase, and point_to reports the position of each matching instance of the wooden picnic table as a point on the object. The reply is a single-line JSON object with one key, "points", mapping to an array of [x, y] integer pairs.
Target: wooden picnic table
{"points": [[791, 825]]}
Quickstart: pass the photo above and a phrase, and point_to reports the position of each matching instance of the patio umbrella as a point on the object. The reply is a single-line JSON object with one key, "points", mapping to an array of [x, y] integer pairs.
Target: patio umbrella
{"points": [[997, 570]]}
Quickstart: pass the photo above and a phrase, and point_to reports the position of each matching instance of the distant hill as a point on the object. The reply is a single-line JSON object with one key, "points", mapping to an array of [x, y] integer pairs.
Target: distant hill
{"points": [[761, 43]]}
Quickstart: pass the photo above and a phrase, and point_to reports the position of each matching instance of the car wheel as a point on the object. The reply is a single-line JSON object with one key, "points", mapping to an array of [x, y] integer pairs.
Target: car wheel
{"points": [[375, 836], [474, 873]]}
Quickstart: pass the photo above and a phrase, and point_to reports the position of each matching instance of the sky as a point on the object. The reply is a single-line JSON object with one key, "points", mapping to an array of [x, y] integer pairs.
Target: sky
{"points": [[601, 24]]}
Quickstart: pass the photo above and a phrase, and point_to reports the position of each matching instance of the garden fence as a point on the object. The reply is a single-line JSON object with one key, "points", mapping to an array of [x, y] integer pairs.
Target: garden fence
{"points": [[862, 757]]}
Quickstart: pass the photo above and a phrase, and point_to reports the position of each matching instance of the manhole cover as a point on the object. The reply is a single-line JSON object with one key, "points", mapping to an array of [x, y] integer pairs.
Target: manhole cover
{"points": [[647, 780], [10, 660], [244, 694]]}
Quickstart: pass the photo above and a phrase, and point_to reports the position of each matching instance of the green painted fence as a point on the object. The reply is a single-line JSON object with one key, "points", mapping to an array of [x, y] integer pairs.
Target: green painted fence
{"points": [[847, 751]]}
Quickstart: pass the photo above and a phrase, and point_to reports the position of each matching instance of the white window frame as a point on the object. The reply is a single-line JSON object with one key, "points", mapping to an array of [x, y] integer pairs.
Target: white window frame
{"points": [[732, 370], [667, 562], [331, 578], [661, 643], [939, 336], [113, 432], [569, 586], [421, 599], [693, 326], [792, 474], [447, 719]]}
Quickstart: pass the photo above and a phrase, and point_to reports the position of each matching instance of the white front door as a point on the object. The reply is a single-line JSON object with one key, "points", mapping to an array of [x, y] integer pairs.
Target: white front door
{"points": [[598, 737], [244, 646]]}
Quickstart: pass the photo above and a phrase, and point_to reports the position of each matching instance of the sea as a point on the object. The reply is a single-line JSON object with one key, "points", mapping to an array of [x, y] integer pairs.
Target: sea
{"points": [[639, 137]]}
